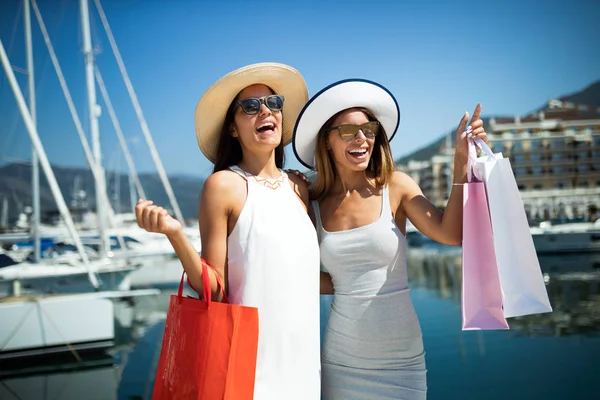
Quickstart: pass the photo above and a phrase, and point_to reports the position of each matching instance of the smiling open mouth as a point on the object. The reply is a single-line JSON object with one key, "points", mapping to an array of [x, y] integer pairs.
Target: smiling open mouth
{"points": [[266, 127], [358, 153]]}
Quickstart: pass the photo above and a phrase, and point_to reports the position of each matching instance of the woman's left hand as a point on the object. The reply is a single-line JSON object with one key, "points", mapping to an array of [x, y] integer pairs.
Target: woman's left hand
{"points": [[298, 174], [474, 130]]}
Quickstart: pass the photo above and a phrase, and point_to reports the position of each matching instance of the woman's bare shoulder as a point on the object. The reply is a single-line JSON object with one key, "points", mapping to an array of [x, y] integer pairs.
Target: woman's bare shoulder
{"points": [[226, 186]]}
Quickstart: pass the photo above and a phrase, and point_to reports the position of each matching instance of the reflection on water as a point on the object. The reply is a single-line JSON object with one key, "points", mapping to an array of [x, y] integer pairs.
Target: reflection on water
{"points": [[548, 356], [90, 379], [572, 282]]}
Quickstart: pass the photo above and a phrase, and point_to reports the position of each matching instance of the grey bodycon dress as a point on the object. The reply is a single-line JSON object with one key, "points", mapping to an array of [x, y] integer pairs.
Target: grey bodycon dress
{"points": [[373, 347]]}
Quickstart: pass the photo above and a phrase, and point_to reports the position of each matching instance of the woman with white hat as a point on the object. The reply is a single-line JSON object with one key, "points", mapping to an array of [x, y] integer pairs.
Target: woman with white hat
{"points": [[254, 225], [373, 346]]}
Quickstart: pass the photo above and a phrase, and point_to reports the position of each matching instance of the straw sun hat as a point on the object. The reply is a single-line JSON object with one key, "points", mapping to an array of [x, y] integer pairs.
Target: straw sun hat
{"points": [[213, 105]]}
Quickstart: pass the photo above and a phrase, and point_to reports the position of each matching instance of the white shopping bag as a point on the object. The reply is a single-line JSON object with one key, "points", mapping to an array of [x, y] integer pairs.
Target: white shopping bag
{"points": [[523, 288]]}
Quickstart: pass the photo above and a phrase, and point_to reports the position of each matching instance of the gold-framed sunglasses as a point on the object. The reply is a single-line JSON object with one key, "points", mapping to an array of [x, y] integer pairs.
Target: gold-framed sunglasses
{"points": [[349, 132]]}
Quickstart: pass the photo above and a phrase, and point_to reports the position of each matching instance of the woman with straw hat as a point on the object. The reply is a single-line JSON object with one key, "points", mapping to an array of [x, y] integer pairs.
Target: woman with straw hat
{"points": [[373, 346], [254, 227]]}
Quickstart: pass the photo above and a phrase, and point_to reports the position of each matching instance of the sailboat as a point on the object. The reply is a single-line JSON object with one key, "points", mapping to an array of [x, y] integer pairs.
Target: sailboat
{"points": [[43, 323], [110, 243]]}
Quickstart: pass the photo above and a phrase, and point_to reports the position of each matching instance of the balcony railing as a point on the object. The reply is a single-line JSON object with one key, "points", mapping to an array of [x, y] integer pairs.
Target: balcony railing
{"points": [[554, 176], [508, 135]]}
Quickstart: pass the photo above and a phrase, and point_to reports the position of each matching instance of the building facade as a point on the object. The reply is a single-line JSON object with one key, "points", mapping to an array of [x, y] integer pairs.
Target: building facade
{"points": [[554, 154], [434, 176]]}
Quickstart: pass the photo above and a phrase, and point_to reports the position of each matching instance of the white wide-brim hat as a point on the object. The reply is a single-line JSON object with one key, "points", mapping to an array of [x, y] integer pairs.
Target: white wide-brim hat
{"points": [[339, 96], [214, 103]]}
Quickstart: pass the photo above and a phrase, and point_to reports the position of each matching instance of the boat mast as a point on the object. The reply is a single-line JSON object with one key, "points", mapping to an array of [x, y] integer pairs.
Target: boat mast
{"points": [[35, 169], [94, 111], [45, 164]]}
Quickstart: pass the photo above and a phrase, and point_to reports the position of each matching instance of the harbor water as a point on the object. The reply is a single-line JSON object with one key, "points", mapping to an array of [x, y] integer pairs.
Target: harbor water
{"points": [[550, 356]]}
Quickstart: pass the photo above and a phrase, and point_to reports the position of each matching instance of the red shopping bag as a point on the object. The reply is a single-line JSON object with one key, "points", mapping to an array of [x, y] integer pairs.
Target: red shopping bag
{"points": [[209, 348]]}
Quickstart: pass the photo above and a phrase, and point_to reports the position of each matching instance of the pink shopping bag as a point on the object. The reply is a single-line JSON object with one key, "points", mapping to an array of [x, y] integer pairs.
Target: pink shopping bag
{"points": [[481, 290]]}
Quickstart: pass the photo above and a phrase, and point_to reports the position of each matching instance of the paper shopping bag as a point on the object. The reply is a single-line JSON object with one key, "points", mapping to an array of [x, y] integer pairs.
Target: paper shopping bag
{"points": [[523, 287], [481, 292], [209, 348]]}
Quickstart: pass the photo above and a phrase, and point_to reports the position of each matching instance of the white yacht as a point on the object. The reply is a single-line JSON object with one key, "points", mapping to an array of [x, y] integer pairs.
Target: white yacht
{"points": [[574, 237], [66, 275]]}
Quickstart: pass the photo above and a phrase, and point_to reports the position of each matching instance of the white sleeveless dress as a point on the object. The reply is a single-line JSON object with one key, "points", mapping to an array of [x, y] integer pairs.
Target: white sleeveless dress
{"points": [[373, 347], [273, 264]]}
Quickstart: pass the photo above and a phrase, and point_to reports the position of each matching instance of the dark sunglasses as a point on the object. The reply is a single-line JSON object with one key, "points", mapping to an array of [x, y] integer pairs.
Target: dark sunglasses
{"points": [[251, 105], [349, 132]]}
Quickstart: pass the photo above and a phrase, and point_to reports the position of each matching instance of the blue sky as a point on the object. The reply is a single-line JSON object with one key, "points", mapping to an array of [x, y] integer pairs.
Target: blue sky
{"points": [[438, 57]]}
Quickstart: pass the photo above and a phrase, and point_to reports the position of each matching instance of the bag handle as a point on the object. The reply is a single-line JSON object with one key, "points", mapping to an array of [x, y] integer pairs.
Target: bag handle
{"points": [[471, 158], [472, 153], [206, 283], [486, 149]]}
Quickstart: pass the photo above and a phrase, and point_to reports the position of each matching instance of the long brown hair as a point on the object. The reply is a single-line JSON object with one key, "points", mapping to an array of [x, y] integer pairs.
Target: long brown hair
{"points": [[229, 150], [381, 163]]}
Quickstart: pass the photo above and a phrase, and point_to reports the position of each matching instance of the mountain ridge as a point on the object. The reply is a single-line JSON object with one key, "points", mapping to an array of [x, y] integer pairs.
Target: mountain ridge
{"points": [[15, 178]]}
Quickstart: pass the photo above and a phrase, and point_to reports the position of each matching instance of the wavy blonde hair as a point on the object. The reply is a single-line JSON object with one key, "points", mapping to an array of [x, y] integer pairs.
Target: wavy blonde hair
{"points": [[381, 163]]}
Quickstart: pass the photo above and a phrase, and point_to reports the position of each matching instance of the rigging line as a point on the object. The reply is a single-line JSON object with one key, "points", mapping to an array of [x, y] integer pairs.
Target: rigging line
{"points": [[74, 115], [12, 37], [138, 110], [117, 126], [44, 71], [20, 70], [41, 78], [11, 391], [14, 28], [96, 41], [60, 333], [8, 142], [17, 327]]}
